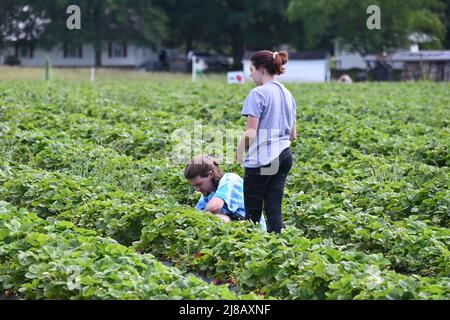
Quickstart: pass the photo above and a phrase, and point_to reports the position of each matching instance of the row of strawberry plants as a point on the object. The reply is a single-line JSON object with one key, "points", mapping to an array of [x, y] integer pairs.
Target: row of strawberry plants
{"points": [[399, 241], [113, 212], [376, 211], [53, 151], [410, 245], [330, 120], [418, 191], [400, 188], [188, 243], [56, 260], [287, 266], [135, 131], [375, 121], [126, 119], [116, 103]]}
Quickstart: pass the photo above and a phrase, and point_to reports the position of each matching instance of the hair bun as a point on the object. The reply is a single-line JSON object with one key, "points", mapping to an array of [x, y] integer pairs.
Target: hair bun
{"points": [[284, 56], [272, 61]]}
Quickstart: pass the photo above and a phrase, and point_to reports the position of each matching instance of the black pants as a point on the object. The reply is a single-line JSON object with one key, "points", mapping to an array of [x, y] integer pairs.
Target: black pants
{"points": [[265, 189]]}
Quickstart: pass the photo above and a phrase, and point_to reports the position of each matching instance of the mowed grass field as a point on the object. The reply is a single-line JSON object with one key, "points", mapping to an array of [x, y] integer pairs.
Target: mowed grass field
{"points": [[93, 196], [101, 74]]}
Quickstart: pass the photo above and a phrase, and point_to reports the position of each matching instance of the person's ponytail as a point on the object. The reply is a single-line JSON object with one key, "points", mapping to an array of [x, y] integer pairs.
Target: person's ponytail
{"points": [[280, 60], [272, 61]]}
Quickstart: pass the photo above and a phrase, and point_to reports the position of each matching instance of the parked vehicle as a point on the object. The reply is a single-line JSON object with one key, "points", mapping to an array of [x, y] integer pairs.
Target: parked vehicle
{"points": [[150, 65], [213, 60]]}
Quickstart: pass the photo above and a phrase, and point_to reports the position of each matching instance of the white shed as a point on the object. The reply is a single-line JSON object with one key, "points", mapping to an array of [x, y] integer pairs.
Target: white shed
{"points": [[306, 66]]}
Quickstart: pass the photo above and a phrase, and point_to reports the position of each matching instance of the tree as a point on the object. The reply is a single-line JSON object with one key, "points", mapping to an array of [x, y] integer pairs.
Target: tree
{"points": [[102, 21], [253, 24], [447, 23], [19, 22], [190, 22], [346, 22], [227, 26]]}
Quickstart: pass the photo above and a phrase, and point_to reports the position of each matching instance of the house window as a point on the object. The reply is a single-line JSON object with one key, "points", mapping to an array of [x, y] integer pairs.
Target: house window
{"points": [[117, 50], [72, 52], [25, 51]]}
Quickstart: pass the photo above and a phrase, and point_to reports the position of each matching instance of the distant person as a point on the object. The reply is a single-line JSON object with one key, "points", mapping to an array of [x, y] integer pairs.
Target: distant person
{"points": [[189, 55], [345, 78], [222, 193], [162, 57], [270, 109], [201, 65]]}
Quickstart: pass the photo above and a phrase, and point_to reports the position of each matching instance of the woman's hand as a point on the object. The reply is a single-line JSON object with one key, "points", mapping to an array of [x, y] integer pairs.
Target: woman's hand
{"points": [[247, 138], [240, 158]]}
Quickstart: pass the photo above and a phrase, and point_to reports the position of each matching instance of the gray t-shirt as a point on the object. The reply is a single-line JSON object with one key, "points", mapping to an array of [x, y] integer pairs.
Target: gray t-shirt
{"points": [[275, 107]]}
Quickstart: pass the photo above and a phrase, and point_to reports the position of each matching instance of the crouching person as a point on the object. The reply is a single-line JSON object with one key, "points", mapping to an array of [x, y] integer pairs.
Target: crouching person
{"points": [[222, 194]]}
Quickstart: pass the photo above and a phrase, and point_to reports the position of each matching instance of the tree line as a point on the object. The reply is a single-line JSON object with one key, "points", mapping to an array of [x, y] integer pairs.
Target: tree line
{"points": [[228, 26]]}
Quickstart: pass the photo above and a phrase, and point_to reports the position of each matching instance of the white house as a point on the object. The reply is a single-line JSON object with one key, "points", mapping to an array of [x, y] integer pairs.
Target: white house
{"points": [[346, 60], [307, 66], [115, 54]]}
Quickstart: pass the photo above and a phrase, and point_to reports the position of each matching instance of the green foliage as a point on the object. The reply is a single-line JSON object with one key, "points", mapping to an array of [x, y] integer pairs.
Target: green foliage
{"points": [[288, 266], [56, 260], [346, 22], [366, 204]]}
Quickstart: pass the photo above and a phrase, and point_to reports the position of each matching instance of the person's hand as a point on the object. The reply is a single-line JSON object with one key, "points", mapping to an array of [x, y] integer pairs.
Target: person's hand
{"points": [[240, 158]]}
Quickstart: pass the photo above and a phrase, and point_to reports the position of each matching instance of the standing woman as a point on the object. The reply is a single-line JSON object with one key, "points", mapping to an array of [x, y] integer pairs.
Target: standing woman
{"points": [[271, 126]]}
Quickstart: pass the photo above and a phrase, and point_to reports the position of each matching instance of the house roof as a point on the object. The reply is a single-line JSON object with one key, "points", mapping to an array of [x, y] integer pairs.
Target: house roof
{"points": [[381, 58], [422, 55], [303, 55]]}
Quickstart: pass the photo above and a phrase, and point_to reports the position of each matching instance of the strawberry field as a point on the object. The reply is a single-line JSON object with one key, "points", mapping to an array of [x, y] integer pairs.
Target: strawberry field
{"points": [[93, 199]]}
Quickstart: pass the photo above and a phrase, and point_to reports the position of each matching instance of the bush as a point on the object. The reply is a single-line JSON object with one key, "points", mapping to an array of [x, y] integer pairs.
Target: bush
{"points": [[12, 61]]}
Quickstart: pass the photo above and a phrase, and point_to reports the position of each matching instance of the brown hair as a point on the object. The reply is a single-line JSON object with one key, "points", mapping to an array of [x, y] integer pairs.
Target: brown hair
{"points": [[200, 166], [272, 61]]}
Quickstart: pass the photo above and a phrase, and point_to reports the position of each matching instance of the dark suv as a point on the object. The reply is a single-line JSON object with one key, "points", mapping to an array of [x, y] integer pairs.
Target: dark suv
{"points": [[214, 61]]}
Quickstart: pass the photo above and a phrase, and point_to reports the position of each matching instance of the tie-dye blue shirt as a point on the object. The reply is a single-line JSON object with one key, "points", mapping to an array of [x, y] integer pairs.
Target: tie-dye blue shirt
{"points": [[231, 191]]}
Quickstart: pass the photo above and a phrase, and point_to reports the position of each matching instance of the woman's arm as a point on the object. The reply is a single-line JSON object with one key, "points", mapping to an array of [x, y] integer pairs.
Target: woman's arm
{"points": [[247, 138], [214, 205], [294, 131]]}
